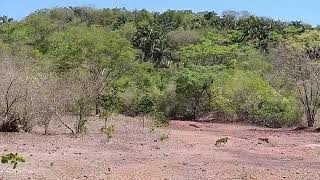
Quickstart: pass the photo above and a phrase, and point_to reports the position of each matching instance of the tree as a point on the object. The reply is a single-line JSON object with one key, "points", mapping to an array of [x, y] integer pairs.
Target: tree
{"points": [[299, 62], [212, 19], [142, 16], [39, 28], [26, 95], [105, 56], [192, 88], [172, 19], [121, 20], [259, 30], [244, 96], [5, 19], [152, 40], [215, 49]]}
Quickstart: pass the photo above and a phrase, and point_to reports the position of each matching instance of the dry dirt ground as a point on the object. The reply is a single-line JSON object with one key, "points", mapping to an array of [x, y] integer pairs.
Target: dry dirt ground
{"points": [[184, 150]]}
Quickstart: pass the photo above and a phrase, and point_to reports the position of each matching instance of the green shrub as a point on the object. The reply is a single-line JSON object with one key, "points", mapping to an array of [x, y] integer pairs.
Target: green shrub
{"points": [[161, 119], [251, 99], [12, 158], [192, 91], [108, 131], [232, 94]]}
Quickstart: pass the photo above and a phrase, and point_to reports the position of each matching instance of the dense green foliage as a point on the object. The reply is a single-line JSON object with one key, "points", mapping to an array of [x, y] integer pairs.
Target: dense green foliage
{"points": [[172, 64]]}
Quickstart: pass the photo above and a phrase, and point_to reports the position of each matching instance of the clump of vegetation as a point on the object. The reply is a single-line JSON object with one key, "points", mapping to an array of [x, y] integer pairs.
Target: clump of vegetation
{"points": [[160, 119], [13, 159], [108, 131], [221, 141]]}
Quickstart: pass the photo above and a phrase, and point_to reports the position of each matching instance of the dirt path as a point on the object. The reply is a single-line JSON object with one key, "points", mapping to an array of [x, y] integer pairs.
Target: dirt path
{"points": [[189, 152]]}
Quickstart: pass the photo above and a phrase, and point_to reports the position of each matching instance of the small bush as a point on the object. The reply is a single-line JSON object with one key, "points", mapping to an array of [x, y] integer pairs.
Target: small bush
{"points": [[108, 131], [253, 100], [231, 94], [161, 119], [12, 158]]}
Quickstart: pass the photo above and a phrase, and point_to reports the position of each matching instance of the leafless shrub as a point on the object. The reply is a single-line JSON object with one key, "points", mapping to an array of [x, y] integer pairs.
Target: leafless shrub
{"points": [[26, 95], [31, 96], [10, 95], [74, 95], [303, 72]]}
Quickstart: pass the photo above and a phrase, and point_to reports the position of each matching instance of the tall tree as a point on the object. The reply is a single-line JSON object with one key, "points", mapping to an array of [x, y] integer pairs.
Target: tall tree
{"points": [[299, 62], [5, 19], [152, 40]]}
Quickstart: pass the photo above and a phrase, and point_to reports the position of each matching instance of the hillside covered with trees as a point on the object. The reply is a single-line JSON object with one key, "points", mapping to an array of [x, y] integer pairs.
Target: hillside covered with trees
{"points": [[229, 67]]}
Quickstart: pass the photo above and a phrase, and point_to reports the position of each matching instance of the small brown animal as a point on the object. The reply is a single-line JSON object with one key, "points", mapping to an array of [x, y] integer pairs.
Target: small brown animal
{"points": [[221, 141]]}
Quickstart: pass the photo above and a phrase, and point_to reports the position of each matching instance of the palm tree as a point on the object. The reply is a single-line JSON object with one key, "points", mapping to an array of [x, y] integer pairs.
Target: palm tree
{"points": [[153, 41]]}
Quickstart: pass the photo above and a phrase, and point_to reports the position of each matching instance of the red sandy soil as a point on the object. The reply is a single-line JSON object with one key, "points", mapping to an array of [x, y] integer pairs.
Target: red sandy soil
{"points": [[189, 152]]}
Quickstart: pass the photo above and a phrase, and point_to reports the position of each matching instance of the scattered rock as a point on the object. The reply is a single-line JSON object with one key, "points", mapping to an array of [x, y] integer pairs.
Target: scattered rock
{"points": [[193, 125], [317, 129], [300, 127], [264, 140], [312, 146]]}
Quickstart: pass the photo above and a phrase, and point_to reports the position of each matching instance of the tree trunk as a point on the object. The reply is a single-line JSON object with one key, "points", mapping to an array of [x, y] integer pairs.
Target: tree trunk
{"points": [[97, 107], [105, 122], [310, 122], [143, 121], [310, 119], [194, 113], [81, 120]]}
